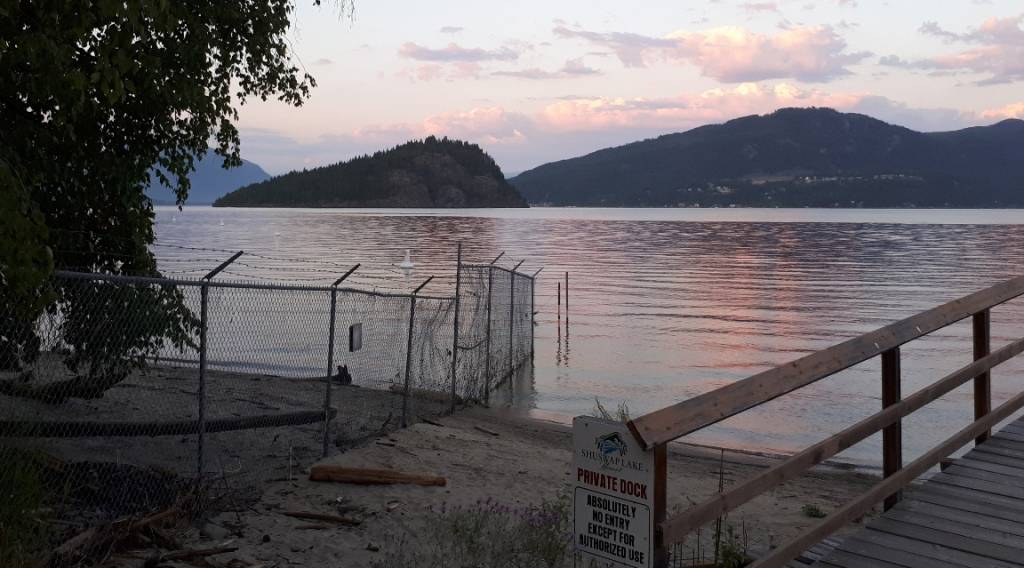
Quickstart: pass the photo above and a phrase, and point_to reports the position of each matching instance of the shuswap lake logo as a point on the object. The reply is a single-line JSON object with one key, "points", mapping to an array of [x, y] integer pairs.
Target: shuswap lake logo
{"points": [[611, 448]]}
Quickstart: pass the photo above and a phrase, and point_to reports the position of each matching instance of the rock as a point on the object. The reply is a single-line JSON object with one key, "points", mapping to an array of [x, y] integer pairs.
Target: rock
{"points": [[265, 539], [372, 547], [214, 532]]}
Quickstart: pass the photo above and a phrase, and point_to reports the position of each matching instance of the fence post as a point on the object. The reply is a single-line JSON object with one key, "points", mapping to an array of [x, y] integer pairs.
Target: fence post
{"points": [[204, 300], [455, 339], [204, 293], [512, 317], [408, 352], [487, 338], [330, 371], [892, 435], [983, 382], [330, 357]]}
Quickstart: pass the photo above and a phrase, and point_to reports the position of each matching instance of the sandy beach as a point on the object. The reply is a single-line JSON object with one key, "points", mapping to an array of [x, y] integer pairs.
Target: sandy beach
{"points": [[487, 454]]}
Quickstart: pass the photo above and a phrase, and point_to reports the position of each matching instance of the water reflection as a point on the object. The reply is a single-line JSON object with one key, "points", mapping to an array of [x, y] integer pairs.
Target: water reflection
{"points": [[670, 304]]}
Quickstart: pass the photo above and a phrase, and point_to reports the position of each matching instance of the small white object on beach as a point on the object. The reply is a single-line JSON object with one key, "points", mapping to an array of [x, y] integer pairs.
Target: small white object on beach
{"points": [[407, 265]]}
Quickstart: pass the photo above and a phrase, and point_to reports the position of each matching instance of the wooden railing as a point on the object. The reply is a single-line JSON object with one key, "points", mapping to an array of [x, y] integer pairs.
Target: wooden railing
{"points": [[657, 428]]}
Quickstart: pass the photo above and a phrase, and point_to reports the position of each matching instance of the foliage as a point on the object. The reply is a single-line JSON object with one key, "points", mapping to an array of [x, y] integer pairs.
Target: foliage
{"points": [[431, 172], [813, 511], [621, 412], [97, 96], [732, 551], [490, 535], [22, 533], [796, 158]]}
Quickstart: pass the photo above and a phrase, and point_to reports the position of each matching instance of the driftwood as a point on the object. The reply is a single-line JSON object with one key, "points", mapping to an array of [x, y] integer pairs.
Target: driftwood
{"points": [[431, 422], [72, 429], [486, 431], [361, 476], [188, 554], [426, 394], [348, 521]]}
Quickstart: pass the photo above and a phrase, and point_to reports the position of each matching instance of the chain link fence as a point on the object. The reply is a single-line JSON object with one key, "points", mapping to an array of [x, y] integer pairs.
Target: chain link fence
{"points": [[133, 395]]}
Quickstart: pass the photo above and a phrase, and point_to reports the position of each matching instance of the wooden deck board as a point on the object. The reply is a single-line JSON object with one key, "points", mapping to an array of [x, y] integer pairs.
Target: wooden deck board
{"points": [[969, 516]]}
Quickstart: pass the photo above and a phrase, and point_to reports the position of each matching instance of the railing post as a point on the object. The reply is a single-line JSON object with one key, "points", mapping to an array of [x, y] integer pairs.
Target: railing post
{"points": [[983, 382], [330, 371], [660, 505], [487, 338], [455, 339], [892, 435]]}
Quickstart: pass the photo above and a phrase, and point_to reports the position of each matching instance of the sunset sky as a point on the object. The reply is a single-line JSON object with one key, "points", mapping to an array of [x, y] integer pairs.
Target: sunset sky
{"points": [[534, 82]]}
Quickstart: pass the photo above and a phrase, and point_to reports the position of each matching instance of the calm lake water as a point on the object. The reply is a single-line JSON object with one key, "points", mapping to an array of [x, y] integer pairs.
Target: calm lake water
{"points": [[665, 304]]}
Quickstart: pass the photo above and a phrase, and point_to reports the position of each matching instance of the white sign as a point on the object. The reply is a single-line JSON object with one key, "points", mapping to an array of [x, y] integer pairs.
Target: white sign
{"points": [[613, 500]]}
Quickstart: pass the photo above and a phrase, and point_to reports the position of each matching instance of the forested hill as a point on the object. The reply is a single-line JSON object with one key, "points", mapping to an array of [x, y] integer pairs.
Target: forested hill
{"points": [[423, 173], [793, 157]]}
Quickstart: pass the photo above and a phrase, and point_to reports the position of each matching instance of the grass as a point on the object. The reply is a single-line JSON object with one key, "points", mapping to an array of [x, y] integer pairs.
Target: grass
{"points": [[621, 413], [813, 511], [489, 534]]}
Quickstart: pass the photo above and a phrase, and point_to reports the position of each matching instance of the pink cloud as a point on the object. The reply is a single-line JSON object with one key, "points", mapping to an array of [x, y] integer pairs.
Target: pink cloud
{"points": [[734, 54], [684, 111], [1013, 110], [455, 52], [999, 52]]}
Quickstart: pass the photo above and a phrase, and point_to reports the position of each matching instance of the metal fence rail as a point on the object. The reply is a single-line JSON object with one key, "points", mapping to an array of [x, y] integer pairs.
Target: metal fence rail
{"points": [[115, 415]]}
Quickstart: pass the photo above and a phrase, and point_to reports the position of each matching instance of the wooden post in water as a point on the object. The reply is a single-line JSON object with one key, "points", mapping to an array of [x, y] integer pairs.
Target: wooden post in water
{"points": [[892, 435], [983, 382]]}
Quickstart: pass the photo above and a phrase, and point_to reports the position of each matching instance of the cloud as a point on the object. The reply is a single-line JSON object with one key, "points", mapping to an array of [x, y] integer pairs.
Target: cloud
{"points": [[760, 7], [451, 29], [572, 68], [998, 51], [455, 52], [1013, 110], [734, 54], [323, 61]]}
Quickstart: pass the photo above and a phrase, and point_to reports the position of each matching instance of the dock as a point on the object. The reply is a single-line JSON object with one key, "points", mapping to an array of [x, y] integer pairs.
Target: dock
{"points": [[969, 515]]}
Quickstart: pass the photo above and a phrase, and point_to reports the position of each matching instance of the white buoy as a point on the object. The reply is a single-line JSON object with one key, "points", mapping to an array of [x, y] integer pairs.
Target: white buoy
{"points": [[407, 265]]}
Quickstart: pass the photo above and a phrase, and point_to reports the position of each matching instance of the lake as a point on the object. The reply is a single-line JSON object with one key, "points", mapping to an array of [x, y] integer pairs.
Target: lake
{"points": [[665, 304]]}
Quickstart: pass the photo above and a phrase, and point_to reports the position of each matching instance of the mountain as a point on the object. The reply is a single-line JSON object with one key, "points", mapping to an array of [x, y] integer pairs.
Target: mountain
{"points": [[423, 173], [210, 181], [795, 157]]}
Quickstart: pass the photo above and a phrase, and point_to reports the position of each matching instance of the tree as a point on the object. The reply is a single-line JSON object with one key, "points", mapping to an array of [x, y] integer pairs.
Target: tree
{"points": [[97, 96]]}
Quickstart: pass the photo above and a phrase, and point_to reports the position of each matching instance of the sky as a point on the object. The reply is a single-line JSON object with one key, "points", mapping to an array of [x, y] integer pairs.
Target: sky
{"points": [[537, 81]]}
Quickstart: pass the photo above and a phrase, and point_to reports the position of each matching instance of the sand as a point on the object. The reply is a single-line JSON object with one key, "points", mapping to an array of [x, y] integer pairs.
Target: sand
{"points": [[527, 461]]}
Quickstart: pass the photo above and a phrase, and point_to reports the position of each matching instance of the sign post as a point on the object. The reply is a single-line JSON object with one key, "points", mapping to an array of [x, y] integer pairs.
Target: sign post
{"points": [[615, 506]]}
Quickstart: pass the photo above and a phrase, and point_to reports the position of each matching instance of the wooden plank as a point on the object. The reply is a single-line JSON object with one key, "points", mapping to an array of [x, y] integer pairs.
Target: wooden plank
{"points": [[994, 476], [1012, 491], [679, 526], [999, 451], [972, 500], [974, 518], [974, 532], [1008, 444], [977, 457], [861, 505], [671, 422], [892, 435], [891, 554], [981, 323], [844, 559], [949, 540], [943, 555], [1009, 435], [1016, 471]]}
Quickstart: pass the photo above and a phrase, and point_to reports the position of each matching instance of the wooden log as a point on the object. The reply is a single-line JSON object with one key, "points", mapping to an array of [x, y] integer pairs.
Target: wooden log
{"points": [[347, 521], [362, 476], [192, 554], [81, 429], [486, 431], [674, 421]]}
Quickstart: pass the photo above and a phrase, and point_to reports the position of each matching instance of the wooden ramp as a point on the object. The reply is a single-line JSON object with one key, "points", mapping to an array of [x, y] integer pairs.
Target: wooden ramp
{"points": [[970, 515]]}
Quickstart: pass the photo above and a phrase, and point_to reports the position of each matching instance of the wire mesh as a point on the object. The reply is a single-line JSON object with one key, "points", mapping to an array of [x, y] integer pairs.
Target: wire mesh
{"points": [[106, 407]]}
